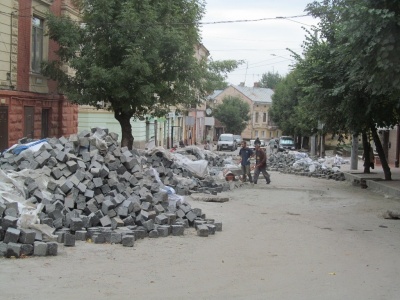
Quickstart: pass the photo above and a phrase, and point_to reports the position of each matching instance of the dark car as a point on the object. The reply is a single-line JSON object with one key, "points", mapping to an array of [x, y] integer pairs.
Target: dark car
{"points": [[286, 143]]}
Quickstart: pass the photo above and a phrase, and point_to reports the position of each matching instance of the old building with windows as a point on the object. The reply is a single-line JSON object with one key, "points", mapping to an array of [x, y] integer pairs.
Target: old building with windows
{"points": [[30, 105], [260, 101]]}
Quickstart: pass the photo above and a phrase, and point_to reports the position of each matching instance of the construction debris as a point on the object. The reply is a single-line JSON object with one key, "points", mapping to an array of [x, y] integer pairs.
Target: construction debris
{"points": [[87, 187], [299, 163]]}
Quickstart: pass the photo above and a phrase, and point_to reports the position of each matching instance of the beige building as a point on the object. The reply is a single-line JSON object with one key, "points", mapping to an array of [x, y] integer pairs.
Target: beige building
{"points": [[260, 101]]}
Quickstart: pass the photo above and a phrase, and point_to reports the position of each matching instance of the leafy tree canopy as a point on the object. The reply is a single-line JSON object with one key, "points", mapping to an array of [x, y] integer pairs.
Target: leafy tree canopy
{"points": [[270, 80], [234, 113], [138, 56], [218, 72]]}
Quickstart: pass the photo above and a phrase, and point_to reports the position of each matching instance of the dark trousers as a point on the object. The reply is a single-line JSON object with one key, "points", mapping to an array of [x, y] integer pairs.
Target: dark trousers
{"points": [[263, 171], [246, 171]]}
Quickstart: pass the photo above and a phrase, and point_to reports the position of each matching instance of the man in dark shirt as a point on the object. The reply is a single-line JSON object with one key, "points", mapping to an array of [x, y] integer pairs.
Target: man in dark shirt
{"points": [[261, 164], [245, 154]]}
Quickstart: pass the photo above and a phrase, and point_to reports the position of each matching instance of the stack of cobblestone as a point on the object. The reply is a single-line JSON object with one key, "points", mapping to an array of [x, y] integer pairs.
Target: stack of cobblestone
{"points": [[300, 164], [87, 187]]}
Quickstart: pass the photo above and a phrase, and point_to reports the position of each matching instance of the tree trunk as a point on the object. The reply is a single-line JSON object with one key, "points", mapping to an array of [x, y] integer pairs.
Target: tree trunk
{"points": [[381, 153], [366, 149], [124, 119], [354, 153]]}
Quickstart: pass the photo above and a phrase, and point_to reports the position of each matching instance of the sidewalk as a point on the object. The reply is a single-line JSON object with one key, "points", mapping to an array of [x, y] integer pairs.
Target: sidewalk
{"points": [[376, 179]]}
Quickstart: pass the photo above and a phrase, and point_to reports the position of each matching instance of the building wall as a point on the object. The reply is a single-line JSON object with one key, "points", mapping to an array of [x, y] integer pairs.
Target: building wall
{"points": [[20, 87]]}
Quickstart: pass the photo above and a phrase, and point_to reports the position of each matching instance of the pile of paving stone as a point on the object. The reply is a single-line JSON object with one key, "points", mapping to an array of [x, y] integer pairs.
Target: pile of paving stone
{"points": [[300, 164], [87, 187]]}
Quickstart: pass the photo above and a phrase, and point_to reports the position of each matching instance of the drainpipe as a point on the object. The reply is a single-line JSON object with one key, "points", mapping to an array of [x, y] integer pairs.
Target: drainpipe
{"points": [[11, 31]]}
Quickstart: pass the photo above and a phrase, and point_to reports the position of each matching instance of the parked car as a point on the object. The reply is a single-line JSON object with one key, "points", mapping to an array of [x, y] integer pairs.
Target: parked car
{"points": [[286, 143], [226, 141]]}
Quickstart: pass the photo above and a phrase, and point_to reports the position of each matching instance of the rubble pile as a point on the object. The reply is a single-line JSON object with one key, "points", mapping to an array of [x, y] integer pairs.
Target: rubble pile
{"points": [[87, 187], [298, 163]]}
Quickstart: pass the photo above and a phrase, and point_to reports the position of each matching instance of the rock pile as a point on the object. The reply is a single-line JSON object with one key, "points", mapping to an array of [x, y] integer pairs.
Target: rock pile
{"points": [[87, 187], [297, 163]]}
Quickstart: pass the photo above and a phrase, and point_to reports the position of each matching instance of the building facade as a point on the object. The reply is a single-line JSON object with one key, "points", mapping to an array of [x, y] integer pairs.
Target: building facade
{"points": [[260, 101], [30, 105]]}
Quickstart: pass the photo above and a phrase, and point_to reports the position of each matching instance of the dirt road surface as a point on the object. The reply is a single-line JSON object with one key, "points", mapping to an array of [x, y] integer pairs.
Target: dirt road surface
{"points": [[297, 238]]}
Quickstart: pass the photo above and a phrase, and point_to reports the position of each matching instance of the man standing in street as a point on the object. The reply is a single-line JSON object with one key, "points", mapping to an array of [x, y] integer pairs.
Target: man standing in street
{"points": [[261, 164], [245, 154]]}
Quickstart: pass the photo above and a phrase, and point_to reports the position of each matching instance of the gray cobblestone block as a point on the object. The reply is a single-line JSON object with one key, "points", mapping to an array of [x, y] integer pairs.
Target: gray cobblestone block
{"points": [[164, 230], [161, 219], [81, 235], [191, 216], [66, 186], [185, 222], [76, 224], [52, 249], [3, 248], [116, 238], [197, 223], [38, 235], [159, 208], [177, 229], [40, 249], [9, 221], [52, 186], [129, 220], [99, 238], [62, 156], [218, 226], [153, 234], [91, 231], [99, 198], [211, 228], [32, 187], [116, 222], [197, 211], [106, 206], [105, 221], [2, 232], [58, 223], [171, 218], [89, 193], [69, 240], [27, 236], [12, 212], [202, 230], [82, 188], [72, 166], [55, 214], [128, 241], [140, 232], [13, 250], [122, 211], [185, 207], [180, 213], [26, 249], [149, 225], [112, 213]]}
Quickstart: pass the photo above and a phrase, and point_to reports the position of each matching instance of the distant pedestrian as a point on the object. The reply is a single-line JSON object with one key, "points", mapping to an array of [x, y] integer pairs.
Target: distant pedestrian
{"points": [[257, 141], [371, 157], [261, 164], [245, 155]]}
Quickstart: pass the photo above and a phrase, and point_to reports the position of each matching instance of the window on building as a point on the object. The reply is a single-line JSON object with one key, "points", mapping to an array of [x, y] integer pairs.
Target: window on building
{"points": [[256, 133], [265, 117], [256, 116], [37, 44], [263, 133]]}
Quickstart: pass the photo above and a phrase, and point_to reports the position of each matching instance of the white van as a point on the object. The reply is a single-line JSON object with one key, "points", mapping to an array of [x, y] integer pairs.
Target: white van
{"points": [[226, 141]]}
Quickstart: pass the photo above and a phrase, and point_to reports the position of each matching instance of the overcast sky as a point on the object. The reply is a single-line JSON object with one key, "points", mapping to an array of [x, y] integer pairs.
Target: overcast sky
{"points": [[256, 41]]}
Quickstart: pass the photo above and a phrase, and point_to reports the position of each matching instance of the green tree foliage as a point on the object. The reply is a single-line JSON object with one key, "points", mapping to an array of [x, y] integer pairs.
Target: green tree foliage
{"points": [[363, 62], [137, 56], [284, 105], [270, 80], [218, 73], [234, 113]]}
